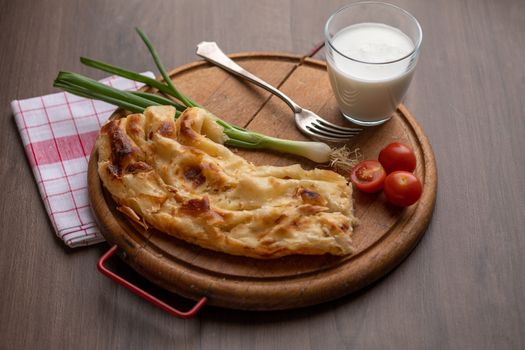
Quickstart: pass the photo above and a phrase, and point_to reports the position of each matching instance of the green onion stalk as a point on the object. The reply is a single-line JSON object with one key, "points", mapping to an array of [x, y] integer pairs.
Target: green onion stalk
{"points": [[137, 101]]}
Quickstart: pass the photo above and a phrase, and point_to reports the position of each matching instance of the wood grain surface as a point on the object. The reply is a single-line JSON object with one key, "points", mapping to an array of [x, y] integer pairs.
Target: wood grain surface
{"points": [[461, 288], [384, 236]]}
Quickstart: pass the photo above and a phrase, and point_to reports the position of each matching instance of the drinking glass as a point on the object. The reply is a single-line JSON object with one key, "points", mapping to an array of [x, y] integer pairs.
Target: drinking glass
{"points": [[371, 51]]}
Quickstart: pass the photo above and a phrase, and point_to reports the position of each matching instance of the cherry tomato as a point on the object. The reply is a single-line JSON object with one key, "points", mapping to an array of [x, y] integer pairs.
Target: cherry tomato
{"points": [[397, 156], [402, 188], [368, 176]]}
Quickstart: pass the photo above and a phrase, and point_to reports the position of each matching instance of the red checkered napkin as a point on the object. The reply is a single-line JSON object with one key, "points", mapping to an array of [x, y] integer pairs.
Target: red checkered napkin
{"points": [[58, 132]]}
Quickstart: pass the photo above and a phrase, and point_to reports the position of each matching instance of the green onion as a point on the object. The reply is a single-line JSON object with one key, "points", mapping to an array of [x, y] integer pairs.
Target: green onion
{"points": [[317, 151], [174, 92], [134, 101], [137, 101], [126, 74], [100, 94], [158, 99], [93, 85]]}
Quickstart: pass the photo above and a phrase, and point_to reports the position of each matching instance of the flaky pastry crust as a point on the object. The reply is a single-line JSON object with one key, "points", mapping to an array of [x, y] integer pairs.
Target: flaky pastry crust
{"points": [[175, 176]]}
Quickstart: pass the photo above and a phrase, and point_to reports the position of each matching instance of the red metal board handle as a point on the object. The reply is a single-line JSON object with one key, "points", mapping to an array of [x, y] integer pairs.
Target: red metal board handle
{"points": [[143, 294]]}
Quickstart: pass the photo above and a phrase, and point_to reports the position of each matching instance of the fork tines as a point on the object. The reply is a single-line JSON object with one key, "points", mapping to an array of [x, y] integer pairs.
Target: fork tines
{"points": [[328, 130]]}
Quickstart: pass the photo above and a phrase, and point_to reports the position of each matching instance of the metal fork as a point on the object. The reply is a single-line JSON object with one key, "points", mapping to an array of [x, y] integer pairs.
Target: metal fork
{"points": [[306, 121]]}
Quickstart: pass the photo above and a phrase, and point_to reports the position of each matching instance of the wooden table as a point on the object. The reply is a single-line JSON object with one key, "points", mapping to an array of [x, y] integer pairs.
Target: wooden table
{"points": [[463, 287]]}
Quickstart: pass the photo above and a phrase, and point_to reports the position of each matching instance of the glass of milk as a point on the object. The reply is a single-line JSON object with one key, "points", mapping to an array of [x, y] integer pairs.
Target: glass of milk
{"points": [[371, 51]]}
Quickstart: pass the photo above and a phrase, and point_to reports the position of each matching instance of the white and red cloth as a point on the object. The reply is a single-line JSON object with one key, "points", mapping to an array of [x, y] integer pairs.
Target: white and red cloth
{"points": [[58, 132]]}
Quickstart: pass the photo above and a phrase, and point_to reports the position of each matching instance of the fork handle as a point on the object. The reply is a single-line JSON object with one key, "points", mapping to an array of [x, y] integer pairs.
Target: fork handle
{"points": [[211, 52]]}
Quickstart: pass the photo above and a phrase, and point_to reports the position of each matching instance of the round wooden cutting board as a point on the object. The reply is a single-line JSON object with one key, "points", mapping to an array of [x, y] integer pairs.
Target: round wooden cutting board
{"points": [[385, 234]]}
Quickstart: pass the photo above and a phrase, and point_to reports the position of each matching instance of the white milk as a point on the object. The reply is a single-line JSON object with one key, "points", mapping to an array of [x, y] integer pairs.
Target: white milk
{"points": [[370, 92]]}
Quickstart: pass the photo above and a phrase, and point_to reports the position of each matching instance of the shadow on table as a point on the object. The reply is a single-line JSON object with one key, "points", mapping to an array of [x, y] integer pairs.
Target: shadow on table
{"points": [[218, 314], [262, 317]]}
